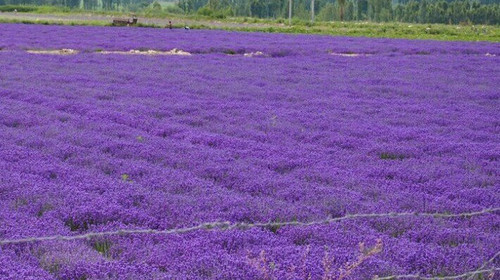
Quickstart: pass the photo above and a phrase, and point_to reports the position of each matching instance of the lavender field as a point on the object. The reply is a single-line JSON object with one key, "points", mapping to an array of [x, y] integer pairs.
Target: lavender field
{"points": [[264, 136]]}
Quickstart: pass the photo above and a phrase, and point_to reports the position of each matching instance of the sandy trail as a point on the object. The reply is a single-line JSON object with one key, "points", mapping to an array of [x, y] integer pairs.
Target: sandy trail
{"points": [[109, 19]]}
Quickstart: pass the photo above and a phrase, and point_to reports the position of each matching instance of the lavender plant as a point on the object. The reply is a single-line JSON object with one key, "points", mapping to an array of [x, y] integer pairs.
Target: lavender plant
{"points": [[92, 142]]}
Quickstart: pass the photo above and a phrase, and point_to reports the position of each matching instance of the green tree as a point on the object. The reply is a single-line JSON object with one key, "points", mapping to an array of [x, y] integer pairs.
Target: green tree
{"points": [[156, 6], [341, 6], [422, 12], [327, 13]]}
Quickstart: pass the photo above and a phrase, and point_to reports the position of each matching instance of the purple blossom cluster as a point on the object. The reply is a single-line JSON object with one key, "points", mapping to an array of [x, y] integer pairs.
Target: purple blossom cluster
{"points": [[94, 38], [92, 142]]}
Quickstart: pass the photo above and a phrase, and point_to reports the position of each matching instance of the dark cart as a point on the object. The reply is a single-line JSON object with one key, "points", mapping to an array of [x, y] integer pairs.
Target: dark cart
{"points": [[125, 22]]}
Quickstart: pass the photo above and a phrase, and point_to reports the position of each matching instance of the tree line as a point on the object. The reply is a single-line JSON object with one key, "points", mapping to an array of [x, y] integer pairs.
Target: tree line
{"points": [[412, 11], [109, 5]]}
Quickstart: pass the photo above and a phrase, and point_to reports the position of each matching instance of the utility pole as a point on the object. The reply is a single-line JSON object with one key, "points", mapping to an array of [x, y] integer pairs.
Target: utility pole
{"points": [[312, 10], [289, 12]]}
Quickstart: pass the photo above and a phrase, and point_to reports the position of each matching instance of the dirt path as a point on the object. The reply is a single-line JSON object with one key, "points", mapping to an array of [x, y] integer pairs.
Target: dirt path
{"points": [[109, 19]]}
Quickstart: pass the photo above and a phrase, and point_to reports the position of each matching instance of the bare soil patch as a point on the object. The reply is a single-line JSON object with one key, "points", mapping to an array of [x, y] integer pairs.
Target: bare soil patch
{"points": [[350, 54], [253, 54], [56, 52], [148, 52]]}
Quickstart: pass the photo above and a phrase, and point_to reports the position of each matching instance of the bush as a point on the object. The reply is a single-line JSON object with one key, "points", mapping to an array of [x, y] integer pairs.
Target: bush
{"points": [[51, 9], [205, 11], [174, 10]]}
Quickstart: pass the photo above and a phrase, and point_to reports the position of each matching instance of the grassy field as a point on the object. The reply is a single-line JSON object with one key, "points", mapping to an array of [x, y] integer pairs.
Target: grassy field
{"points": [[393, 30], [52, 15]]}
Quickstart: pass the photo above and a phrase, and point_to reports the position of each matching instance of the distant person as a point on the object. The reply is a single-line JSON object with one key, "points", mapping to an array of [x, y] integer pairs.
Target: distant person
{"points": [[15, 11], [170, 24]]}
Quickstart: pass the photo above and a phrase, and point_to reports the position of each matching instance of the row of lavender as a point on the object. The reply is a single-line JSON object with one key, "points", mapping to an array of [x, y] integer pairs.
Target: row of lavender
{"points": [[94, 143], [16, 36]]}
